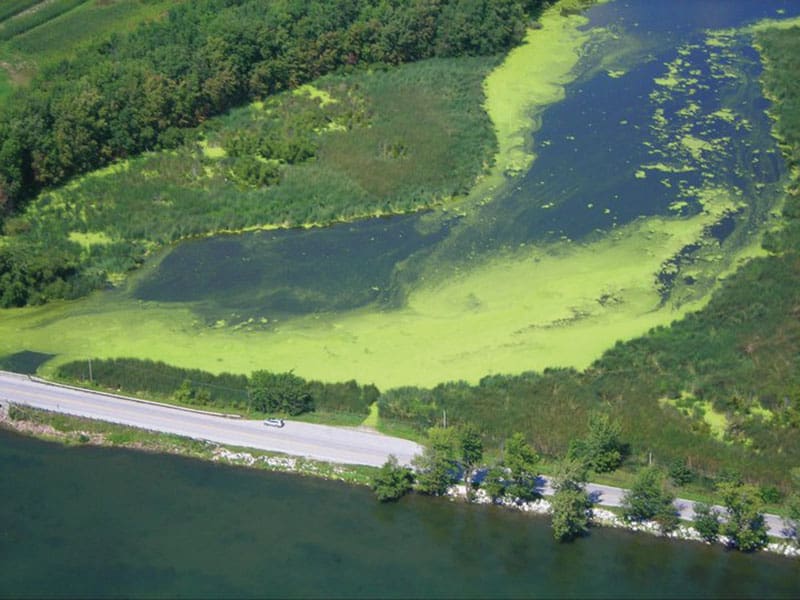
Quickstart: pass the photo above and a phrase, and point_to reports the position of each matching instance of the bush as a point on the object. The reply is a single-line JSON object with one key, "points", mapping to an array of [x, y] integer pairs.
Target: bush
{"points": [[706, 521], [647, 499], [393, 481], [279, 393]]}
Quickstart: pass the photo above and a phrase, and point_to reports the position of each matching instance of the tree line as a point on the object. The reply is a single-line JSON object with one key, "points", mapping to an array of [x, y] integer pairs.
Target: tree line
{"points": [[452, 456], [263, 391], [137, 92]]}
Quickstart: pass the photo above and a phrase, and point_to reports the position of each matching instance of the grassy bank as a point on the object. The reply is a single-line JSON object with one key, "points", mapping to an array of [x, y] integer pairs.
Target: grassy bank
{"points": [[78, 431]]}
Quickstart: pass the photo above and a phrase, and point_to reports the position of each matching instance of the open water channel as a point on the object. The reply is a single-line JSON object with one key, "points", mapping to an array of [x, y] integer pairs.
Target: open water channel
{"points": [[87, 522]]}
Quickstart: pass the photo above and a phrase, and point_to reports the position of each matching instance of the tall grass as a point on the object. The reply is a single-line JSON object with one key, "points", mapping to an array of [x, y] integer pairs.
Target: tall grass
{"points": [[34, 19], [407, 138], [90, 22], [9, 8]]}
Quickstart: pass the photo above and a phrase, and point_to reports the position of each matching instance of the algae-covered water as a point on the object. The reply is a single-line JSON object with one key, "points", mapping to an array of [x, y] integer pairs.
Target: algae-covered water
{"points": [[636, 168], [87, 522]]}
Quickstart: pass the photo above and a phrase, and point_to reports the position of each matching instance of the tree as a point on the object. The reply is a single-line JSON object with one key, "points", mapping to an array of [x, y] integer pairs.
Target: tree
{"points": [[471, 451], [495, 483], [437, 466], [793, 521], [648, 499], [521, 460], [706, 521], [279, 392], [393, 480], [601, 449], [745, 525], [680, 473], [571, 506]]}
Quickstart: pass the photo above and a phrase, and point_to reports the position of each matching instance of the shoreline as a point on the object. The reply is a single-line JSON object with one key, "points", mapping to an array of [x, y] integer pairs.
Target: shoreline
{"points": [[602, 517], [106, 435], [155, 442]]}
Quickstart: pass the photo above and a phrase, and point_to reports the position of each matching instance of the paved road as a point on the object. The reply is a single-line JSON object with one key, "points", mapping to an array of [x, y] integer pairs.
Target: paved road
{"points": [[320, 442], [606, 495]]}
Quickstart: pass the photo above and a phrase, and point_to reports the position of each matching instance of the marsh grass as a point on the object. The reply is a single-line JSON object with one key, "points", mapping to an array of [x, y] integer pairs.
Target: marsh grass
{"points": [[407, 138], [86, 24], [37, 17], [9, 8]]}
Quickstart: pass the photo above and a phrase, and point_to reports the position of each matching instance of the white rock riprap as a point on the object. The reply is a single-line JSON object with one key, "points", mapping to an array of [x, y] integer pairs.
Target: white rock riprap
{"points": [[601, 517]]}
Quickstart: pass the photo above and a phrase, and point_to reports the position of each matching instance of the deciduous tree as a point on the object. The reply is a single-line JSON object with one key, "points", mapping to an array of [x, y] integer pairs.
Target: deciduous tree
{"points": [[745, 525], [392, 481]]}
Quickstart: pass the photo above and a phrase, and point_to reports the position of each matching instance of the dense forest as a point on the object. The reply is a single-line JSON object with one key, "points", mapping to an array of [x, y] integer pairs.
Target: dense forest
{"points": [[137, 92]]}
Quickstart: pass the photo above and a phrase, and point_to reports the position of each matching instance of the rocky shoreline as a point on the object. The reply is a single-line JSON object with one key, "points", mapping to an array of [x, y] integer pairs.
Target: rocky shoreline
{"points": [[601, 517]]}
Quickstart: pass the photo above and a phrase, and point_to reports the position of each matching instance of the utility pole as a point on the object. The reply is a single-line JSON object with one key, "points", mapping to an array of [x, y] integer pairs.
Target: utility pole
{"points": [[90, 371], [444, 418]]}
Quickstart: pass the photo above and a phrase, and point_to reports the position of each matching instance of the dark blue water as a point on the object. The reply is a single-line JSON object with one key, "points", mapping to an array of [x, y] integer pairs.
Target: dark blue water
{"points": [[592, 143], [286, 272], [86, 522]]}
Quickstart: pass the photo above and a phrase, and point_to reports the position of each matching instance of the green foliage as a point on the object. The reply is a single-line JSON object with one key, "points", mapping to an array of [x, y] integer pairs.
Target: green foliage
{"points": [[679, 472], [434, 106], [115, 98], [520, 460], [193, 386], [495, 482], [159, 380], [648, 499], [10, 8], [770, 494], [437, 466], [470, 454], [48, 11], [707, 521], [570, 504], [601, 449], [279, 393], [471, 446], [188, 394], [745, 525], [570, 513], [793, 523], [392, 481], [569, 474]]}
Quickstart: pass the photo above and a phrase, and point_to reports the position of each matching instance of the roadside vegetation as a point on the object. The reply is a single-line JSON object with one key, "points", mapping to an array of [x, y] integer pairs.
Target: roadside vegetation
{"points": [[77, 431], [453, 457], [262, 393]]}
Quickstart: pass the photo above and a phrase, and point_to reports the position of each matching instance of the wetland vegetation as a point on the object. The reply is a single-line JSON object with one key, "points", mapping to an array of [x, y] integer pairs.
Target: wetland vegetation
{"points": [[615, 263]]}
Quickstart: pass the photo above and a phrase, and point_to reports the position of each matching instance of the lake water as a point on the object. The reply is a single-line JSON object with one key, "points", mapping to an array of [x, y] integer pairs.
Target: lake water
{"points": [[91, 522]]}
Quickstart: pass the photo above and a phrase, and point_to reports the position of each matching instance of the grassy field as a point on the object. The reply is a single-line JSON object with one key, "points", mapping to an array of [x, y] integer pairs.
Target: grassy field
{"points": [[56, 30], [6, 87], [10, 8]]}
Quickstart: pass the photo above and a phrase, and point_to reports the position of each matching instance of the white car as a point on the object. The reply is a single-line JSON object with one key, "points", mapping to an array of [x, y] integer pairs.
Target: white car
{"points": [[274, 422]]}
